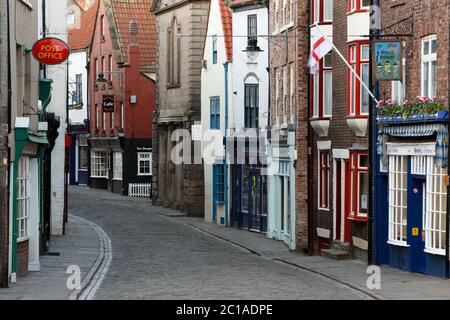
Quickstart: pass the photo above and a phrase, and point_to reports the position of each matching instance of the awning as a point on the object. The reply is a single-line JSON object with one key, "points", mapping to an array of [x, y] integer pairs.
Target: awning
{"points": [[418, 130]]}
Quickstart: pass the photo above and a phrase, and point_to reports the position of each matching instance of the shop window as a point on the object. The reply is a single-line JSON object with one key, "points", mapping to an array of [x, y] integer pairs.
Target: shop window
{"points": [[398, 180], [23, 197], [99, 164], [144, 163], [435, 208], [418, 165], [359, 185], [218, 172], [324, 177], [214, 104], [429, 63], [358, 96], [117, 166], [323, 89]]}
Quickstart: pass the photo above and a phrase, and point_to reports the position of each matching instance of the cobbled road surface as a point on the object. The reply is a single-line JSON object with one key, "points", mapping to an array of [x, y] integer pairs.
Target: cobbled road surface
{"points": [[159, 257]]}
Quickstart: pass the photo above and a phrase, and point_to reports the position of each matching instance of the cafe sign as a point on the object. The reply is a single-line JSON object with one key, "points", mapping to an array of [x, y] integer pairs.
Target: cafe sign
{"points": [[108, 103], [50, 51], [387, 60]]}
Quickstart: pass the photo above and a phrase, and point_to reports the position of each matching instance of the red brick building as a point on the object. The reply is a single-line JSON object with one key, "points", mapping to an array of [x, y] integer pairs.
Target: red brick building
{"points": [[411, 219], [339, 109], [122, 95], [288, 142]]}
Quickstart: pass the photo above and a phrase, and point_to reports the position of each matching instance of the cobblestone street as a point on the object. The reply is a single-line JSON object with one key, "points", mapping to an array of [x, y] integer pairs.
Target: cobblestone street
{"points": [[158, 257]]}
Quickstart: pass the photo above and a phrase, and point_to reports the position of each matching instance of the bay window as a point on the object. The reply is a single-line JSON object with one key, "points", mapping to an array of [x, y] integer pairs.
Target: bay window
{"points": [[358, 5], [358, 96], [322, 11], [23, 198], [359, 185], [322, 84], [99, 164], [324, 172], [435, 208], [429, 63]]}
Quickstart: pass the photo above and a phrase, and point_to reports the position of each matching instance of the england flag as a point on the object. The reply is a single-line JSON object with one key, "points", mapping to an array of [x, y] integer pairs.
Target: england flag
{"points": [[320, 48]]}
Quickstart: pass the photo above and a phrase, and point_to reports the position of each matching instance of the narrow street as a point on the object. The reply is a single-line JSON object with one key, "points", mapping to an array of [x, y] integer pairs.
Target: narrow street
{"points": [[158, 257]]}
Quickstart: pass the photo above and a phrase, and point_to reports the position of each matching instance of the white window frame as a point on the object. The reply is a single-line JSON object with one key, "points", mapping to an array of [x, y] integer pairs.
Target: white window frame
{"points": [[99, 164], [435, 208], [292, 13], [104, 120], [277, 95], [96, 116], [398, 194], [285, 92], [117, 166], [140, 157], [122, 119], [324, 10], [292, 92], [23, 198], [428, 59]]}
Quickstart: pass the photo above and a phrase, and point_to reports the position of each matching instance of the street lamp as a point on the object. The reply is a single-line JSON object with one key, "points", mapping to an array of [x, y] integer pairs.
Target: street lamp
{"points": [[252, 49]]}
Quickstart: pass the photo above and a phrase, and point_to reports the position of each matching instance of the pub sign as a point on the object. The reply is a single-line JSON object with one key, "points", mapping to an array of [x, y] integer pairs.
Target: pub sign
{"points": [[387, 60]]}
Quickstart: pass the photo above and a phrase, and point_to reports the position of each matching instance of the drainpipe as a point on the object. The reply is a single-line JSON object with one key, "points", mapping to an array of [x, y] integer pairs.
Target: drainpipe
{"points": [[225, 178], [373, 165]]}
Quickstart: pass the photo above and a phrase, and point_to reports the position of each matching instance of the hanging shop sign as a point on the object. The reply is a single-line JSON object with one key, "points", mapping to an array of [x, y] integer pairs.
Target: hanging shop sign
{"points": [[50, 51], [387, 60], [108, 103]]}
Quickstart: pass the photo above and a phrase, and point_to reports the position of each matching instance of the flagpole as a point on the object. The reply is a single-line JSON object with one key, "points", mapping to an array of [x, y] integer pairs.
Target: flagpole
{"points": [[348, 64]]}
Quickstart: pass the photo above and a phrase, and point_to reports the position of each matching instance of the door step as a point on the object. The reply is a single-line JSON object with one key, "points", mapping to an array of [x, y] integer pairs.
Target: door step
{"points": [[335, 254]]}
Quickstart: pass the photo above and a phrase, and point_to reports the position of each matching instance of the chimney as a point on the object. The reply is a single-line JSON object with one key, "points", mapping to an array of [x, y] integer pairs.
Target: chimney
{"points": [[133, 31]]}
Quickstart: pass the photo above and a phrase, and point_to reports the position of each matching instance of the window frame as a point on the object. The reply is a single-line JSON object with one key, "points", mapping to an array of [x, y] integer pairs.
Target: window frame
{"points": [[79, 87], [323, 198], [355, 92], [117, 166], [97, 171], [318, 16], [318, 91], [398, 169], [23, 198], [214, 112], [356, 169], [214, 49], [219, 183], [252, 31], [355, 6], [251, 113], [428, 58], [148, 158]]}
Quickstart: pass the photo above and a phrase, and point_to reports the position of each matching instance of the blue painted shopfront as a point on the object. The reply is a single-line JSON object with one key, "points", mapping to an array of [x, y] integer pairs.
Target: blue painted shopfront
{"points": [[409, 176]]}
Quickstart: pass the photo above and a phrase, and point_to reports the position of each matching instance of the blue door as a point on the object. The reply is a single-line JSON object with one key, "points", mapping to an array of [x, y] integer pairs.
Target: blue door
{"points": [[415, 224]]}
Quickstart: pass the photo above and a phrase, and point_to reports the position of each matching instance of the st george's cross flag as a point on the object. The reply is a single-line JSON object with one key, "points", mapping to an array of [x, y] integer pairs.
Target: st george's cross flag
{"points": [[320, 48]]}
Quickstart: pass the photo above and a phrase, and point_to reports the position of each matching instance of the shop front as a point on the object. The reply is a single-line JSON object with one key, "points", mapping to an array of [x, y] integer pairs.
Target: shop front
{"points": [[411, 226]]}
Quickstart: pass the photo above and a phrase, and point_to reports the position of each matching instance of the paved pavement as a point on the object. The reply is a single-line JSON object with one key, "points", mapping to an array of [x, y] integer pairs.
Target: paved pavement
{"points": [[158, 253], [80, 246]]}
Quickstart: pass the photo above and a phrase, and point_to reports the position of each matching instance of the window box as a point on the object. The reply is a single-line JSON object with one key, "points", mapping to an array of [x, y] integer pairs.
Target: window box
{"points": [[423, 110]]}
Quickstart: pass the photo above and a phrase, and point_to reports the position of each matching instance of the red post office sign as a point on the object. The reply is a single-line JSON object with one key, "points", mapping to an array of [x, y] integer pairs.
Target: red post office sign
{"points": [[50, 51]]}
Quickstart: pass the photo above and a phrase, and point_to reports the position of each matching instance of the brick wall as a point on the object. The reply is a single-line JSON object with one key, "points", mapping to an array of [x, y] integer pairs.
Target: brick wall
{"points": [[302, 125], [22, 258], [430, 17]]}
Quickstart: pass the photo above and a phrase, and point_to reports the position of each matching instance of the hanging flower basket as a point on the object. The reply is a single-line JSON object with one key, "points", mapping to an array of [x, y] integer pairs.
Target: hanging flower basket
{"points": [[423, 109]]}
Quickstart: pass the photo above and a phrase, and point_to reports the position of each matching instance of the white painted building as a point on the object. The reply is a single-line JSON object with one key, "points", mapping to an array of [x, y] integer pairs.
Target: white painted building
{"points": [[216, 93], [248, 201], [56, 26]]}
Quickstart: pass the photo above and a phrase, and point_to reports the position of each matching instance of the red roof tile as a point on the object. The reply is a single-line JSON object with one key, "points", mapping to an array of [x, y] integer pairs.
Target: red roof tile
{"points": [[227, 25], [126, 10], [80, 38]]}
